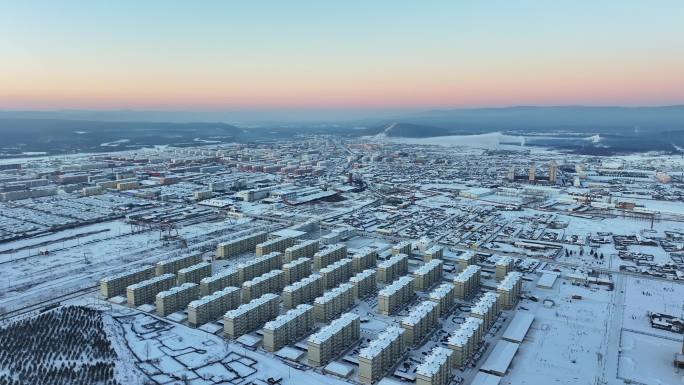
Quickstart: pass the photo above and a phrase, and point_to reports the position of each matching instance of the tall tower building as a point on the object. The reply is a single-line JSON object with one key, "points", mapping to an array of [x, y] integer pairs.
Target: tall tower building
{"points": [[533, 172], [511, 174], [553, 171]]}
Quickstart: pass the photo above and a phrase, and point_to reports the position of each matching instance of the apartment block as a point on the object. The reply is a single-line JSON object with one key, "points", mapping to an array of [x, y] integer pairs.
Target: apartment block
{"points": [[419, 322], [364, 283], [288, 328], [219, 281], [334, 302], [336, 273], [297, 269], [467, 282], [333, 339], [403, 247], [117, 284], [303, 291], [436, 367], [393, 268], [428, 275], [466, 259], [274, 245], [260, 265], [146, 291], [271, 282], [486, 308], [194, 273], [329, 255], [363, 259], [237, 246], [503, 266], [250, 316], [444, 295], [434, 252], [394, 296], [304, 249], [211, 307], [176, 298], [172, 265], [465, 340], [381, 354], [509, 290]]}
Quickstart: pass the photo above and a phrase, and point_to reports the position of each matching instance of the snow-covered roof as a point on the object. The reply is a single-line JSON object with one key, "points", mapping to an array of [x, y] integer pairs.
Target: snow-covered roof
{"points": [[302, 282], [418, 313], [442, 290], [428, 267], [431, 364], [396, 286], [213, 296], [382, 341], [333, 293], [151, 281], [289, 316], [518, 328], [176, 290], [467, 273], [333, 328], [500, 358]]}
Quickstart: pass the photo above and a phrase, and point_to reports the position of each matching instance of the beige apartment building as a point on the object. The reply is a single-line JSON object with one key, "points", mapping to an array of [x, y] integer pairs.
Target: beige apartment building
{"points": [[271, 282], [381, 354], [172, 265], [194, 273], [420, 321], [176, 298], [428, 275], [329, 255], [219, 281], [333, 339], [303, 249], [259, 265], [394, 296], [117, 284], [145, 291], [336, 273], [303, 291], [364, 283], [274, 245], [237, 246], [334, 302], [297, 269], [250, 316], [403, 247], [509, 290], [211, 307], [364, 258], [444, 295], [288, 328], [503, 266], [467, 282], [436, 367], [434, 252], [393, 268]]}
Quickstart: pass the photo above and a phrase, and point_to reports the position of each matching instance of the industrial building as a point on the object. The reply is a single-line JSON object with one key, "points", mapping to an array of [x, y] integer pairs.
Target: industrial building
{"points": [[434, 252], [260, 265], [333, 339], [403, 247], [428, 275], [304, 249], [250, 316], [271, 282], [176, 298], [171, 266], [444, 295], [240, 245], [274, 245], [336, 273], [381, 354], [364, 258], [503, 266], [329, 255], [297, 269], [220, 280], [211, 307], [393, 268], [145, 291], [117, 284], [509, 290], [334, 302], [364, 283], [420, 321], [467, 282], [465, 340], [288, 328], [194, 273], [303, 291], [394, 296], [436, 367]]}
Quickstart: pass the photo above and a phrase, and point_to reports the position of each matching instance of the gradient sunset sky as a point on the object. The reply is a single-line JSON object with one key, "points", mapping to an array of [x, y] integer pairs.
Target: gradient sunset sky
{"points": [[257, 54]]}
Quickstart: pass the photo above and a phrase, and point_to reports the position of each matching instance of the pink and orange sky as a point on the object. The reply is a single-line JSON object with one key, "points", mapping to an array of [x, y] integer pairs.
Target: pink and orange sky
{"points": [[96, 54]]}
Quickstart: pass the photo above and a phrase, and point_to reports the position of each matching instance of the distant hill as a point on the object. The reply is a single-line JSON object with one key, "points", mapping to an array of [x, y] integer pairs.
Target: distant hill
{"points": [[404, 130], [59, 136], [566, 118]]}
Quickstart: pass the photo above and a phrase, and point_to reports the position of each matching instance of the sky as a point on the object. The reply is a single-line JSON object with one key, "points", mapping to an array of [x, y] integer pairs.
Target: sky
{"points": [[328, 54]]}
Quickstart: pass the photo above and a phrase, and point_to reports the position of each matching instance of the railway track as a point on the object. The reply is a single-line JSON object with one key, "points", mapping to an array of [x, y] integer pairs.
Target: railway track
{"points": [[52, 302]]}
